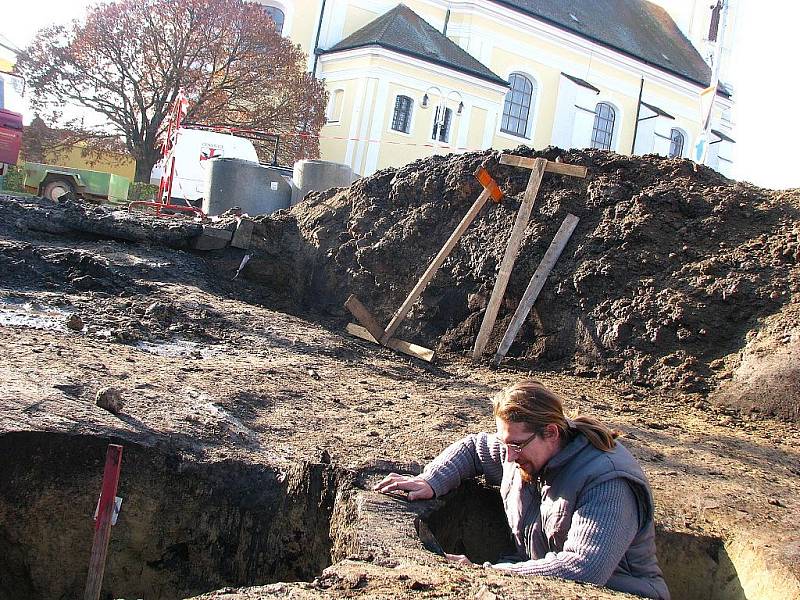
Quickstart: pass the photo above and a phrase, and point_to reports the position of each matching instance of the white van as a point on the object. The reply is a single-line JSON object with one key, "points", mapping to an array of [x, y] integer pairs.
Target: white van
{"points": [[194, 150]]}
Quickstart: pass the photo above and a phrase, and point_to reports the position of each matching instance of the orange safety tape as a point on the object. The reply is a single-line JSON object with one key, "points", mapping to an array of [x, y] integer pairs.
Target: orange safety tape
{"points": [[441, 146], [490, 184]]}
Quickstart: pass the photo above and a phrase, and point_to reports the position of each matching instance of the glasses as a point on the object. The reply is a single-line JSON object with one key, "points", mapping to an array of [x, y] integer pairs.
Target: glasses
{"points": [[518, 448]]}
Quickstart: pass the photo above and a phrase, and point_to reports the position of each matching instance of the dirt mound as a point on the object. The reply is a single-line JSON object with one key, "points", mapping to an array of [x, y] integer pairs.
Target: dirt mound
{"points": [[92, 222], [766, 376], [668, 270]]}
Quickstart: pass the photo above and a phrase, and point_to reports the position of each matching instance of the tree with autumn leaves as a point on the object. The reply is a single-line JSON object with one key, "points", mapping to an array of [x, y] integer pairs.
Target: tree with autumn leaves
{"points": [[128, 60]]}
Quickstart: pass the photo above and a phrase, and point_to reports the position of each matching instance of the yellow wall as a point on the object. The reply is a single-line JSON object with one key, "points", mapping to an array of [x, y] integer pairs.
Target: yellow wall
{"points": [[372, 80], [303, 28], [118, 164], [372, 83], [333, 137]]}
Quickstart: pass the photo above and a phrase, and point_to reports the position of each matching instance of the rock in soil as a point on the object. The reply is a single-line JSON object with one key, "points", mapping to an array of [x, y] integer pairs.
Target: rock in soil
{"points": [[110, 399], [74, 322]]}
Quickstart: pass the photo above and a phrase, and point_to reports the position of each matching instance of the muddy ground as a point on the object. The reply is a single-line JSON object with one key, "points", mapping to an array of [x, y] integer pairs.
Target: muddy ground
{"points": [[253, 425]]}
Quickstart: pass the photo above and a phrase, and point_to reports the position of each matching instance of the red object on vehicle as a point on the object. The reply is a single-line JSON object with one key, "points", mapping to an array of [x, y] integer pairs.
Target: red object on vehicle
{"points": [[177, 113], [10, 136], [163, 204]]}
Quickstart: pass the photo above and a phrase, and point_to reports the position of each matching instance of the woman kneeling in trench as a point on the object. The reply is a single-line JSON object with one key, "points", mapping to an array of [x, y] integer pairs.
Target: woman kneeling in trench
{"points": [[578, 503]]}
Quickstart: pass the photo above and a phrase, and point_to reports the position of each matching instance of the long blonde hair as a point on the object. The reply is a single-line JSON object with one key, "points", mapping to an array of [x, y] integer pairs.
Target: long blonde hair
{"points": [[532, 403]]}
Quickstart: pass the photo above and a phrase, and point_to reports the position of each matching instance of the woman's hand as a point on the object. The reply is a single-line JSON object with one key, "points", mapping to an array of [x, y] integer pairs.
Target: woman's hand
{"points": [[417, 488]]}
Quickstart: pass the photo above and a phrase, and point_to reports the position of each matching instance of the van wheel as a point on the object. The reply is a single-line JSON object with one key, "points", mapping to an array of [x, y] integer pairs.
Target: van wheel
{"points": [[55, 188]]}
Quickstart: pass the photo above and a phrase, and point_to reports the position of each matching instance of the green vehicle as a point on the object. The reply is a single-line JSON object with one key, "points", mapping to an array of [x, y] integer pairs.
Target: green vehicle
{"points": [[52, 182]]}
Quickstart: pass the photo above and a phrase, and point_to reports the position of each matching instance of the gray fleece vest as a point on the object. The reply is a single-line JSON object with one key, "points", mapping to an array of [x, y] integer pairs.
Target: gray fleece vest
{"points": [[542, 516]]}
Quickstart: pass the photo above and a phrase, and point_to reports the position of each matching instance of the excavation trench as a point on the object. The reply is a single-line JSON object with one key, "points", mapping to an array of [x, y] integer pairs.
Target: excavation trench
{"points": [[185, 527], [696, 567]]}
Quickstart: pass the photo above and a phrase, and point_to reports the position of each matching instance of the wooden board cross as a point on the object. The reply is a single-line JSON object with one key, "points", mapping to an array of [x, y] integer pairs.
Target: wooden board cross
{"points": [[538, 167]]}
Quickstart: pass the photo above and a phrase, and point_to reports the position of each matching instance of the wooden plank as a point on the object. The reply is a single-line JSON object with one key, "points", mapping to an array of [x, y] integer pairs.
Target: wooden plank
{"points": [[360, 312], [536, 284], [512, 249], [102, 526], [552, 166], [359, 331], [564, 169], [414, 350], [434, 266]]}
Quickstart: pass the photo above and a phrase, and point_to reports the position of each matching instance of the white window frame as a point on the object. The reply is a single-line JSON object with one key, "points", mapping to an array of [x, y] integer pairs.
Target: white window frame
{"points": [[685, 135], [436, 138], [288, 13], [533, 110], [329, 116], [614, 125]]}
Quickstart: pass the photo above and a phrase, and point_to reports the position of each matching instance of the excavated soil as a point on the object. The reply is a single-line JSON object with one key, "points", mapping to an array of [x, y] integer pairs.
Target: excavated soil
{"points": [[189, 527], [669, 273], [253, 426]]}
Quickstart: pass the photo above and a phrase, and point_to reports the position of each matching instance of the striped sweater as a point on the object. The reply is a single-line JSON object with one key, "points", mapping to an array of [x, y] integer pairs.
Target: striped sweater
{"points": [[605, 519]]}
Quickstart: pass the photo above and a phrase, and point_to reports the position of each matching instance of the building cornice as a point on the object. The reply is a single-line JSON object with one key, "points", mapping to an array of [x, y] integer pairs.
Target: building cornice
{"points": [[381, 52]]}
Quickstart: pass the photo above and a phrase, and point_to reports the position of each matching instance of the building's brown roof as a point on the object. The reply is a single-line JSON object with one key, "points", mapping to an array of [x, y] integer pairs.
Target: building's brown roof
{"points": [[404, 31], [637, 28]]}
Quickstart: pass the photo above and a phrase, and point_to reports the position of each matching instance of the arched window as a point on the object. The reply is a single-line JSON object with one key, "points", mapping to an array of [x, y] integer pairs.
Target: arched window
{"points": [[517, 106], [401, 120], [277, 16], [603, 129], [676, 143]]}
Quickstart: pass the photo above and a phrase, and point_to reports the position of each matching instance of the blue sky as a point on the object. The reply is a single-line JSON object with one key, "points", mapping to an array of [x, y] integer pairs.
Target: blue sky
{"points": [[766, 46]]}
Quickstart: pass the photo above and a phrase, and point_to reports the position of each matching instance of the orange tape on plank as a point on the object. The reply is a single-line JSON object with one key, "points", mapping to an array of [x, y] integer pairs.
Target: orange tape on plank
{"points": [[490, 184]]}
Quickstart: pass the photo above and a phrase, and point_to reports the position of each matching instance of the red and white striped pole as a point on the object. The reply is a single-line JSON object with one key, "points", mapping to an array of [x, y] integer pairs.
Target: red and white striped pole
{"points": [[102, 526]]}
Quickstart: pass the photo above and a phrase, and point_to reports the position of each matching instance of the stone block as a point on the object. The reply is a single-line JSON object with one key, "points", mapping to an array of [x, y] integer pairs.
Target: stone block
{"points": [[212, 238], [241, 238]]}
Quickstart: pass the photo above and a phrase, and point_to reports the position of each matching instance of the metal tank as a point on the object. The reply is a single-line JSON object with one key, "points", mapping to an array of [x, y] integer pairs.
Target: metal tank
{"points": [[256, 189], [319, 175]]}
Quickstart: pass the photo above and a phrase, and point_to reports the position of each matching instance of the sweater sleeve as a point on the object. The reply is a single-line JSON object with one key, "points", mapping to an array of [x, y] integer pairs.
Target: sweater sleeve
{"points": [[603, 526], [477, 454]]}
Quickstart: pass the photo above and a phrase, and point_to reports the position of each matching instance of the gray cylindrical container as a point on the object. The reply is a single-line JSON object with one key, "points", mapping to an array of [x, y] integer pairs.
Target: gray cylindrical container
{"points": [[256, 189], [319, 175]]}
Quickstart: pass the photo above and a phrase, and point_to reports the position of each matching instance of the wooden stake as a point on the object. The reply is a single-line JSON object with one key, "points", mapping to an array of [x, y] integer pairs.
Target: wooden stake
{"points": [[430, 272], [102, 526], [399, 345], [360, 312], [535, 286], [512, 249], [538, 167], [436, 263]]}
